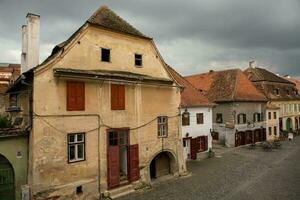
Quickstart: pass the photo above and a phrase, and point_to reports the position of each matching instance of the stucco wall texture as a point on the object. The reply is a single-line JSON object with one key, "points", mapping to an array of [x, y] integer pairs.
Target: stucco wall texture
{"points": [[50, 172]]}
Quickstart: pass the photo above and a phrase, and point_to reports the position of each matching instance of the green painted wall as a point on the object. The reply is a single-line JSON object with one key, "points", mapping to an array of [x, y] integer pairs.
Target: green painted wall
{"points": [[9, 147]]}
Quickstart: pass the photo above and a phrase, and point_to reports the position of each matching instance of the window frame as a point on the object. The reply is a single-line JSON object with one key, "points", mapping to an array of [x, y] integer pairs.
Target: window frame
{"points": [[269, 115], [276, 91], [270, 130], [219, 118], [275, 115], [244, 118], [185, 121], [109, 55], [76, 143], [275, 130], [163, 125], [138, 59], [198, 117]]}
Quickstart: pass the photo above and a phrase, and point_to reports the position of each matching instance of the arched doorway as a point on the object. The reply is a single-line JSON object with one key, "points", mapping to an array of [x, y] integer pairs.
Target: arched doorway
{"points": [[288, 124], [7, 183], [161, 165]]}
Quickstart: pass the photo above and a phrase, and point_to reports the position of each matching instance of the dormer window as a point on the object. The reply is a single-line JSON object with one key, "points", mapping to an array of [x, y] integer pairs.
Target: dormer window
{"points": [[105, 55], [276, 91], [138, 60]]}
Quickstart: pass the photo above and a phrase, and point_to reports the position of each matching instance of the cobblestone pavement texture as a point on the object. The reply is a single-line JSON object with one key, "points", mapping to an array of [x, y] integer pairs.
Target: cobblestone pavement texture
{"points": [[237, 174]]}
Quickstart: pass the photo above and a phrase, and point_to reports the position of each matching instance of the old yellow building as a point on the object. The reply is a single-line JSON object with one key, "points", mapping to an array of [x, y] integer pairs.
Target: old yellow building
{"points": [[104, 112]]}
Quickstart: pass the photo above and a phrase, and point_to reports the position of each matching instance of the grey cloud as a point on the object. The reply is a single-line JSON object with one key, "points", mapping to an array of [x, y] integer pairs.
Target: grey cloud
{"points": [[194, 36]]}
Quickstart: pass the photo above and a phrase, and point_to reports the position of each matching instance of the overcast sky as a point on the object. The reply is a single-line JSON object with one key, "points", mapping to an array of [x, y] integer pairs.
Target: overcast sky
{"points": [[193, 36]]}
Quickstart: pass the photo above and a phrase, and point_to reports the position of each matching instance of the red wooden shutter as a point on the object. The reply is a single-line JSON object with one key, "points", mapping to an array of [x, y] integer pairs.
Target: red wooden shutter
{"points": [[206, 143], [114, 97], [134, 171], [194, 149], [117, 97], [121, 99], [113, 166], [75, 96], [80, 96]]}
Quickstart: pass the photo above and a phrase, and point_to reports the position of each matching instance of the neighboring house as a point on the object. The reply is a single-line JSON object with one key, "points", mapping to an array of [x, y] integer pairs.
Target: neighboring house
{"points": [[297, 84], [196, 114], [281, 93], [272, 120], [8, 74], [104, 108], [238, 118]]}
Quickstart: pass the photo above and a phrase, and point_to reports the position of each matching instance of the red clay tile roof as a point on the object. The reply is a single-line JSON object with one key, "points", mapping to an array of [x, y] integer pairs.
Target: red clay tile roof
{"points": [[226, 86], [190, 96]]}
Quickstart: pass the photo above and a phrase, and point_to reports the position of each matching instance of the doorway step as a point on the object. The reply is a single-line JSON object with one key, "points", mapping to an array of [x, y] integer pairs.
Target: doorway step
{"points": [[121, 191]]}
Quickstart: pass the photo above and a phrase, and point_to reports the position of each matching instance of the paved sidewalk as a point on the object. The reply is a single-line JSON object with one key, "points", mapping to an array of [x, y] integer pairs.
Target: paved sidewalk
{"points": [[238, 174]]}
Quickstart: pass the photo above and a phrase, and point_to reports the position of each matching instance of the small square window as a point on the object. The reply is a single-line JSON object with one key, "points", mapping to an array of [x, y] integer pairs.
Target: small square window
{"points": [[219, 118], [105, 55], [138, 59]]}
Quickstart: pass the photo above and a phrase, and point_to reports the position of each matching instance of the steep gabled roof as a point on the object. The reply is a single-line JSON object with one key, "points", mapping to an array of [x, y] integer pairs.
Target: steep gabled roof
{"points": [[295, 81], [190, 96], [106, 18], [257, 74], [226, 86]]}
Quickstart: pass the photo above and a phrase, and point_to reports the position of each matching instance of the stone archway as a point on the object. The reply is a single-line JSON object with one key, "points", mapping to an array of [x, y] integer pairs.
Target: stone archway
{"points": [[7, 179], [289, 126], [162, 164]]}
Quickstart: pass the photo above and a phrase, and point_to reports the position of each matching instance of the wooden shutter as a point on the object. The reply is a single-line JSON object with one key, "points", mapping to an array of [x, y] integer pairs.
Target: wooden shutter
{"points": [[200, 118], [75, 96], [113, 166], [194, 148], [206, 143], [134, 171], [121, 99], [117, 97]]}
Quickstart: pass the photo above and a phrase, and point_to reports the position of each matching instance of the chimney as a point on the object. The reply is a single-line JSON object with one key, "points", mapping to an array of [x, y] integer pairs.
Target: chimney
{"points": [[30, 42], [251, 64]]}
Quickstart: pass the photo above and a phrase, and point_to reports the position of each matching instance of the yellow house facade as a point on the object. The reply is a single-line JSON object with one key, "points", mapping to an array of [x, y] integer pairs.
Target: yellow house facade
{"points": [[105, 114]]}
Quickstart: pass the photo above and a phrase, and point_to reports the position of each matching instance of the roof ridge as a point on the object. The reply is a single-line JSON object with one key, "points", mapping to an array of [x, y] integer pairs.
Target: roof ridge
{"points": [[213, 71]]}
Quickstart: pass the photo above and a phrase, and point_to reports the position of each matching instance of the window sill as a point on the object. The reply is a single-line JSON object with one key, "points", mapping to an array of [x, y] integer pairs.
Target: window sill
{"points": [[75, 161]]}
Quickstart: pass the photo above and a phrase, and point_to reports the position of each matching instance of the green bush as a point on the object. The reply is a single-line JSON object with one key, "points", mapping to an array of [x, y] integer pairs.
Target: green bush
{"points": [[5, 122]]}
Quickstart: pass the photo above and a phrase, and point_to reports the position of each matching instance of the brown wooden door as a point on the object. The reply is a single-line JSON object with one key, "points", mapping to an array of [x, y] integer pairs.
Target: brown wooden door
{"points": [[134, 171], [194, 148], [113, 166], [243, 138]]}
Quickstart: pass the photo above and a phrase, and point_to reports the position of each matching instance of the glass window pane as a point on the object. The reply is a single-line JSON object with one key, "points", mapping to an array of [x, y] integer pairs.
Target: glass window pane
{"points": [[71, 138], [79, 137], [71, 152], [80, 151]]}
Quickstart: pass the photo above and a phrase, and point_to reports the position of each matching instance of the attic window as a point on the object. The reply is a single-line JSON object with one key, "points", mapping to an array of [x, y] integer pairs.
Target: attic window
{"points": [[276, 91], [138, 59], [105, 55]]}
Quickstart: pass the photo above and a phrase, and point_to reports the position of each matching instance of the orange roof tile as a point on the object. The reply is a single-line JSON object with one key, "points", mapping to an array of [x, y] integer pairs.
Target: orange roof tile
{"points": [[190, 96], [227, 85]]}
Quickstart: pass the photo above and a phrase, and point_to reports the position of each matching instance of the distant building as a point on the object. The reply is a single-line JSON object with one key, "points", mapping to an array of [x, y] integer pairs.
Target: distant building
{"points": [[196, 119], [8, 74], [239, 117], [281, 93]]}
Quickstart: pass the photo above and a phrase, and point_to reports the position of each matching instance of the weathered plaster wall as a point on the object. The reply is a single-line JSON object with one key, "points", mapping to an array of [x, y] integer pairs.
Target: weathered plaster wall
{"points": [[230, 112], [50, 170], [9, 148], [273, 123]]}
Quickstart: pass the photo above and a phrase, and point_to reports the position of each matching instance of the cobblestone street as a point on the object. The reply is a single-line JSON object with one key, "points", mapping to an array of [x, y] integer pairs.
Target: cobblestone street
{"points": [[237, 174]]}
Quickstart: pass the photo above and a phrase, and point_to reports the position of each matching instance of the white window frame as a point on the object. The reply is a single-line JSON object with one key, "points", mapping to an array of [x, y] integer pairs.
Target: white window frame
{"points": [[76, 143], [162, 122]]}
